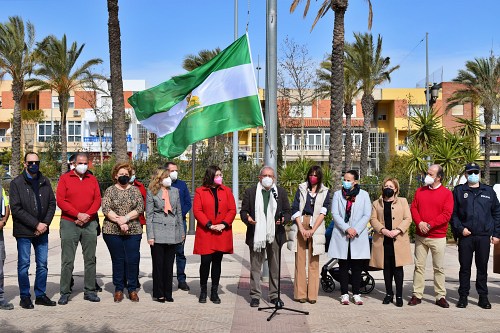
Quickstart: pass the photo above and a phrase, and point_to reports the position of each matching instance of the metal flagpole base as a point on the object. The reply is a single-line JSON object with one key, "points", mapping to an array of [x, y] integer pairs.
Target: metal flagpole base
{"points": [[280, 306]]}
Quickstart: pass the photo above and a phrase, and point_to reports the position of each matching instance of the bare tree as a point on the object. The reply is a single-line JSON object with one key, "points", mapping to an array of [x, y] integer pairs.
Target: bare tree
{"points": [[297, 71]]}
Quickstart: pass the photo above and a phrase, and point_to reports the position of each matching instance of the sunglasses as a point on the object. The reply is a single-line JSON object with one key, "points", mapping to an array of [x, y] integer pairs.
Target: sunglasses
{"points": [[33, 162], [476, 172]]}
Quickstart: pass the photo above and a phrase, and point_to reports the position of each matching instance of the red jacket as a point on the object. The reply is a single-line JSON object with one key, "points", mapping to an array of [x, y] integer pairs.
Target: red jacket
{"points": [[208, 241], [434, 207], [78, 196], [142, 189]]}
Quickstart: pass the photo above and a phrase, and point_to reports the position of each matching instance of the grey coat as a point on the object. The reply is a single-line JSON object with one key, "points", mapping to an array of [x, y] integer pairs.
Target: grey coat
{"points": [[164, 228], [360, 216]]}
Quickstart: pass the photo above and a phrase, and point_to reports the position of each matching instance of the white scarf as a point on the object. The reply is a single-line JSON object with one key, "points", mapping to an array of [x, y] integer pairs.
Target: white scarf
{"points": [[265, 226]]}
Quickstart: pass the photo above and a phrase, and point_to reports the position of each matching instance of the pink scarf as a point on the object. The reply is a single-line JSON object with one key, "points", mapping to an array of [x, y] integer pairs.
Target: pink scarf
{"points": [[165, 196]]}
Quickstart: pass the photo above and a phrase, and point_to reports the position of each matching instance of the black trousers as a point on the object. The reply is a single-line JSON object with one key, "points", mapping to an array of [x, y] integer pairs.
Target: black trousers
{"points": [[163, 256], [466, 248], [356, 266], [392, 272], [207, 260]]}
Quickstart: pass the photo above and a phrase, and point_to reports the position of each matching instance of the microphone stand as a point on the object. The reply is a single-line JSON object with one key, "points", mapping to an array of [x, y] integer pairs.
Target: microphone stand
{"points": [[280, 235]]}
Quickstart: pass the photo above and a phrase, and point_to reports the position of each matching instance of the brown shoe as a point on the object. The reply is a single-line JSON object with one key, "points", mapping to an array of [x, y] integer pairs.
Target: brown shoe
{"points": [[442, 303], [414, 301], [118, 296], [133, 296]]}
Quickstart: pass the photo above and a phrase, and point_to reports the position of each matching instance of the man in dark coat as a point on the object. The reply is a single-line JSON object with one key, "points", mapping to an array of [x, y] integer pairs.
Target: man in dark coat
{"points": [[264, 209], [33, 205]]}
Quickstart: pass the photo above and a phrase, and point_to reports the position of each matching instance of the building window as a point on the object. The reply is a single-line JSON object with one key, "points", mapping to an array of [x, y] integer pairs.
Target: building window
{"points": [[31, 105], [413, 108], [74, 131], [457, 110], [55, 102], [296, 112], [45, 132], [353, 111]]}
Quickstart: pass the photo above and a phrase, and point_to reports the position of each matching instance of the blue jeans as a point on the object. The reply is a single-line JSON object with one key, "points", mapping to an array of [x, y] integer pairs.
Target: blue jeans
{"points": [[125, 255], [180, 258], [41, 246]]}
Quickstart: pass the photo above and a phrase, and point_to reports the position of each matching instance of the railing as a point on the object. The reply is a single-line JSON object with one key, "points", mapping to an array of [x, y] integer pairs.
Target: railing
{"points": [[90, 139], [402, 148], [494, 151]]}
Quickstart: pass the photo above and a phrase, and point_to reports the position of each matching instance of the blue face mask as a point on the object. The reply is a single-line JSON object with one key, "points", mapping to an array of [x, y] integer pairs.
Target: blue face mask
{"points": [[473, 178], [347, 185], [33, 168]]}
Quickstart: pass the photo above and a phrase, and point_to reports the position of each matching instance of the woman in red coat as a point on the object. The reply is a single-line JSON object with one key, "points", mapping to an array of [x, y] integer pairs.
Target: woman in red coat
{"points": [[214, 209]]}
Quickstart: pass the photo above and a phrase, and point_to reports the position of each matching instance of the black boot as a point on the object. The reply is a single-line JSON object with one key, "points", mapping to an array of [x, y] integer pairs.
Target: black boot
{"points": [[203, 294], [214, 297]]}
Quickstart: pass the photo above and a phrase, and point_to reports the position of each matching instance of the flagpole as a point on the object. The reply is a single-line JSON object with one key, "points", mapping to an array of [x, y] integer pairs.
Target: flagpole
{"points": [[235, 133], [270, 148]]}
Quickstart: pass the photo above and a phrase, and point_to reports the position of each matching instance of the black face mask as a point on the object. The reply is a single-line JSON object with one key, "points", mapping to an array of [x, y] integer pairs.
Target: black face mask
{"points": [[388, 192], [123, 180], [33, 168]]}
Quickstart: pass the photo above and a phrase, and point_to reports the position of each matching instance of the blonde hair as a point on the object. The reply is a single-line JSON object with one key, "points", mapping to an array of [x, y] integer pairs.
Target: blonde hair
{"points": [[117, 168], [157, 178], [394, 181]]}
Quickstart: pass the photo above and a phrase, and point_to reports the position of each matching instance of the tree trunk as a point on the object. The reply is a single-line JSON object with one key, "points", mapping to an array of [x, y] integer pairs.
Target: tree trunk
{"points": [[119, 145], [367, 104], [63, 108], [15, 162], [488, 119], [348, 136], [337, 93]]}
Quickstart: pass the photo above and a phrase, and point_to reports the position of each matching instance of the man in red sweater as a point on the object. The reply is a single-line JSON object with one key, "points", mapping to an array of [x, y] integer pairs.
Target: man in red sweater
{"points": [[431, 210], [79, 197]]}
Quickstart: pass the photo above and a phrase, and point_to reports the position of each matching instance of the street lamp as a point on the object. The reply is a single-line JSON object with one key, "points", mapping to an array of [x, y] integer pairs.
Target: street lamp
{"points": [[432, 94]]}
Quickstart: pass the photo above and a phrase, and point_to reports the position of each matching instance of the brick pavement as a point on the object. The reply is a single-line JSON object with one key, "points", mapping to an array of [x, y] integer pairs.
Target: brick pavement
{"points": [[234, 313]]}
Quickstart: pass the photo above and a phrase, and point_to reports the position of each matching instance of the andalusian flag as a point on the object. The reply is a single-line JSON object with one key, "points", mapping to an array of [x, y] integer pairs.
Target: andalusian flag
{"points": [[216, 98]]}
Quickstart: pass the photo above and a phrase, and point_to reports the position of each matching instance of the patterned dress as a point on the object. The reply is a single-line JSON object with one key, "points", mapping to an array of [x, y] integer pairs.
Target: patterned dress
{"points": [[122, 202]]}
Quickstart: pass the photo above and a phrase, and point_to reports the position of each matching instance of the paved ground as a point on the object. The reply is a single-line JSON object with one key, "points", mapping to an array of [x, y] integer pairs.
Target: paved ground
{"points": [[234, 314]]}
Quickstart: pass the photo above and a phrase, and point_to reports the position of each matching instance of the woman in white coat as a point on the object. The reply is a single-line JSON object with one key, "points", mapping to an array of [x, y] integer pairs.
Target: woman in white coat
{"points": [[351, 210]]}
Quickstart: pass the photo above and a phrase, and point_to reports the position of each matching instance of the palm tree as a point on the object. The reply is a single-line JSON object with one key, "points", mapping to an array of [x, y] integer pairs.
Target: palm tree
{"points": [[57, 73], [365, 60], [337, 80], [428, 127], [193, 61], [16, 60], [481, 80], [119, 128], [351, 89]]}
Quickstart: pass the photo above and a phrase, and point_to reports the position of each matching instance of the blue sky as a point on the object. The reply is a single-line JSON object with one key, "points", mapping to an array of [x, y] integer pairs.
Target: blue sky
{"points": [[156, 35]]}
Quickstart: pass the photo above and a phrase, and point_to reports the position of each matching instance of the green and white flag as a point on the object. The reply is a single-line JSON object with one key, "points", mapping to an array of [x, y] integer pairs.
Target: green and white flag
{"points": [[216, 98]]}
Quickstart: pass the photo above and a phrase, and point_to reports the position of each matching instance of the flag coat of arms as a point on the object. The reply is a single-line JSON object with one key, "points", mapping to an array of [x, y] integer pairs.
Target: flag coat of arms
{"points": [[218, 97]]}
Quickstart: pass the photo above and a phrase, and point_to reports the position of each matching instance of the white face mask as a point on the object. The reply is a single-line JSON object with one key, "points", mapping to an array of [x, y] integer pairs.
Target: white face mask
{"points": [[131, 181], [173, 176], [81, 168], [167, 182], [428, 180], [72, 167], [267, 182]]}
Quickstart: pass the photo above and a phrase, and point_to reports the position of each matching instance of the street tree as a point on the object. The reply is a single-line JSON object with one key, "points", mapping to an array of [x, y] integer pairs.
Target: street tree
{"points": [[17, 41]]}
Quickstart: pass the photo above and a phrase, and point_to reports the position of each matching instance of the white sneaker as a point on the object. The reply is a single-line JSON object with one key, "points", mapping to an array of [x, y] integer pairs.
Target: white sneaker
{"points": [[344, 299], [357, 299]]}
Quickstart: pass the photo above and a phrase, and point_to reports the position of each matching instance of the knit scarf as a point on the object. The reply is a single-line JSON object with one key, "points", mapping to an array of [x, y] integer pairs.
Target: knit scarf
{"points": [[350, 197], [265, 224]]}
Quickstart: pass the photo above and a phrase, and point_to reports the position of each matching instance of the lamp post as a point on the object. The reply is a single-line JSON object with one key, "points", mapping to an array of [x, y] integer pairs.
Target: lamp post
{"points": [[432, 94], [258, 68]]}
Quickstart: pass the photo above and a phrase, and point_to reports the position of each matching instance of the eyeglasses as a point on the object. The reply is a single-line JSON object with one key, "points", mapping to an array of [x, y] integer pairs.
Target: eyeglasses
{"points": [[473, 172], [33, 162], [83, 163]]}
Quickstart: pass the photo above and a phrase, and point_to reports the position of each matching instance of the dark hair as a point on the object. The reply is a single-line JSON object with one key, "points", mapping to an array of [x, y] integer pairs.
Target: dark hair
{"points": [[354, 173], [30, 153], [169, 163], [72, 158], [208, 179], [319, 173]]}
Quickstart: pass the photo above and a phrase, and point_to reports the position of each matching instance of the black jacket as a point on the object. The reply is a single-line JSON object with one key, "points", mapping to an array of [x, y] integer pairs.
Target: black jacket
{"points": [[23, 204], [248, 208], [479, 213]]}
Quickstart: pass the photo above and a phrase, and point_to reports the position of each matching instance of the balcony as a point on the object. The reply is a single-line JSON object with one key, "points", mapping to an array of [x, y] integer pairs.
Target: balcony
{"points": [[93, 143], [92, 139], [494, 151]]}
